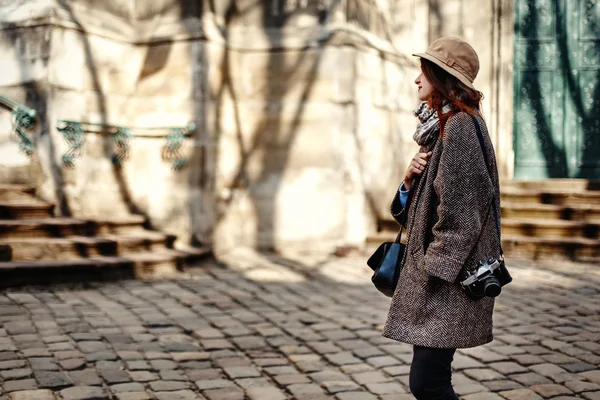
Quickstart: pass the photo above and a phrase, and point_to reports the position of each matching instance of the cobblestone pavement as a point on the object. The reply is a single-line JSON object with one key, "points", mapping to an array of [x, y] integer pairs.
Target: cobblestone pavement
{"points": [[268, 328]]}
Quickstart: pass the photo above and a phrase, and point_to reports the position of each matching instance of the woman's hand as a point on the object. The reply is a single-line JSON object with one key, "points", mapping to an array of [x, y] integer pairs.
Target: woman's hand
{"points": [[415, 168]]}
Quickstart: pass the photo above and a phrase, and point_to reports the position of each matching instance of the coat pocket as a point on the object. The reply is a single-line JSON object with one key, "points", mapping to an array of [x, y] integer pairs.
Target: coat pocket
{"points": [[430, 283]]}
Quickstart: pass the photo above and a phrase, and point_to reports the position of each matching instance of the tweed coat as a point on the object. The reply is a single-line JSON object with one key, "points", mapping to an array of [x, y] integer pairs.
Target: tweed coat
{"points": [[450, 225]]}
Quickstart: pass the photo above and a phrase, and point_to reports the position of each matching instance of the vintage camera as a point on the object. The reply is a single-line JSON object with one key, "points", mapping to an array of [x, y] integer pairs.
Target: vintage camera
{"points": [[486, 279]]}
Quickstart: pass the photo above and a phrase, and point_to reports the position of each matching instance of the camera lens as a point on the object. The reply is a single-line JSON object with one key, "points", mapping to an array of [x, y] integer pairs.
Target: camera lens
{"points": [[491, 287]]}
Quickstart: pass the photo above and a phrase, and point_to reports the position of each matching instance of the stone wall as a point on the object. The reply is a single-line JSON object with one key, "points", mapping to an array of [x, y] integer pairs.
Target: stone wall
{"points": [[304, 113]]}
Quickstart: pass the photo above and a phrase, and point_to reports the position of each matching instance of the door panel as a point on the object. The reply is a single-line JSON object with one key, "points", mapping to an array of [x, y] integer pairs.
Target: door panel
{"points": [[557, 89]]}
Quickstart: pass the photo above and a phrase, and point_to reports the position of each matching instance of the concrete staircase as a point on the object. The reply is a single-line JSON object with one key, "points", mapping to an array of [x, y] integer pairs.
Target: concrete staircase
{"points": [[37, 247], [552, 219]]}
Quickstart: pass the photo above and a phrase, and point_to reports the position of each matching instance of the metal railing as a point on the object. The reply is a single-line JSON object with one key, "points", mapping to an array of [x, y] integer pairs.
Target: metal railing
{"points": [[24, 119], [74, 133]]}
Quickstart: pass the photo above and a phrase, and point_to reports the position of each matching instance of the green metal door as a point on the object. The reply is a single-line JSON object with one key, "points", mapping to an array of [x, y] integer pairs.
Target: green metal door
{"points": [[557, 89]]}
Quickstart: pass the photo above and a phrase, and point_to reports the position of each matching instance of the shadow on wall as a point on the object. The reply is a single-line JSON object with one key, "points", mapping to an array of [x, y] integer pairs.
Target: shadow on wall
{"points": [[271, 140], [102, 109], [585, 103], [269, 144], [556, 160], [36, 97], [200, 158]]}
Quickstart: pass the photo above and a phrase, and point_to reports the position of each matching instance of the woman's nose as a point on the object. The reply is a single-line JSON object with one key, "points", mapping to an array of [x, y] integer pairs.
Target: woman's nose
{"points": [[418, 79]]}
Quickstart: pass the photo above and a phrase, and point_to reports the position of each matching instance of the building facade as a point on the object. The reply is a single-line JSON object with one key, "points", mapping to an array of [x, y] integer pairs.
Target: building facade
{"points": [[291, 120]]}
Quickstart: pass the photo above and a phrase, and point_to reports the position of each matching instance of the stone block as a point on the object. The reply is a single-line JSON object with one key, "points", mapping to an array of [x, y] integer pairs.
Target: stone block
{"points": [[370, 377], [86, 377], [127, 387], [385, 388], [114, 375], [397, 370], [340, 386], [501, 385], [247, 383], [355, 396], [356, 368], [177, 395], [482, 396], [165, 386], [241, 372], [265, 393], [214, 384], [232, 393], [592, 376], [550, 390], [18, 373], [163, 364], [13, 364], [41, 394], [285, 380], [52, 380], [190, 356], [343, 358], [578, 386], [20, 385], [73, 363], [507, 367], [520, 394], [383, 361], [133, 396], [83, 393]]}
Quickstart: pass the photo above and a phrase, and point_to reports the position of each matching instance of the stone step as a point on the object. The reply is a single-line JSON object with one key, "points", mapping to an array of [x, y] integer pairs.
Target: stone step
{"points": [[5, 252], [589, 213], [25, 209], [553, 228], [527, 247], [62, 227], [164, 264], [573, 249], [121, 224], [587, 197], [44, 227], [388, 225], [74, 247], [384, 236], [563, 185], [10, 192]]}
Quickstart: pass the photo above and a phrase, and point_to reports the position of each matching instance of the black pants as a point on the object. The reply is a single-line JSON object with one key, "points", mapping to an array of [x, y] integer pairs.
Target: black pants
{"points": [[431, 375]]}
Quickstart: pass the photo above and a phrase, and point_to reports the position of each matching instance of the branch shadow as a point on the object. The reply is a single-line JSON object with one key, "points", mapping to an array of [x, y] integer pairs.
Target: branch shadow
{"points": [[588, 113], [436, 20], [37, 94], [199, 159], [555, 157], [102, 108], [270, 140]]}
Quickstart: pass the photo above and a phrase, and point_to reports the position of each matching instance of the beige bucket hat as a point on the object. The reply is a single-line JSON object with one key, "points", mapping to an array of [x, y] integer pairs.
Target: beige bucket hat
{"points": [[454, 56]]}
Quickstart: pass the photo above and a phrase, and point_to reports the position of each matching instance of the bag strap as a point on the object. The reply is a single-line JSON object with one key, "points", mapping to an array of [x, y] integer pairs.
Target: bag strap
{"points": [[494, 208], [399, 236]]}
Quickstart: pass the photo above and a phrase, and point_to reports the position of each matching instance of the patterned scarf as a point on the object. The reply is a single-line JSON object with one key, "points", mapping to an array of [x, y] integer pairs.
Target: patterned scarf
{"points": [[429, 123]]}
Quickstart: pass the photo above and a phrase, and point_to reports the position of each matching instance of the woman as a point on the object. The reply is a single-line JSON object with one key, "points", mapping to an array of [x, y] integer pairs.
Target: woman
{"points": [[445, 202]]}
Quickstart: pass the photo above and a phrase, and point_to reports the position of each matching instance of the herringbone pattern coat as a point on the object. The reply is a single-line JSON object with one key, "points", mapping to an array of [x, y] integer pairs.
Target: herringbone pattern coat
{"points": [[450, 224]]}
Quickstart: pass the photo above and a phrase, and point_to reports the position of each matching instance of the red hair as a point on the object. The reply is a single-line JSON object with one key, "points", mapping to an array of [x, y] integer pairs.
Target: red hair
{"points": [[448, 89]]}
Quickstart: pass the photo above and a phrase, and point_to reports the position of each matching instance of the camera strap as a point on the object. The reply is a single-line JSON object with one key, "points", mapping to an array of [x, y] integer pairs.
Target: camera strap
{"points": [[494, 208]]}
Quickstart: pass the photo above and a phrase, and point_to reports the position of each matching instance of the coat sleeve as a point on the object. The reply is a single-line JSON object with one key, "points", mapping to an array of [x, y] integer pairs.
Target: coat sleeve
{"points": [[464, 190]]}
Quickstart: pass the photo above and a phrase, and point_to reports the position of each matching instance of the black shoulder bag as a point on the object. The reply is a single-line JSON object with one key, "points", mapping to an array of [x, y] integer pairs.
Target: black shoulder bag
{"points": [[386, 262]]}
